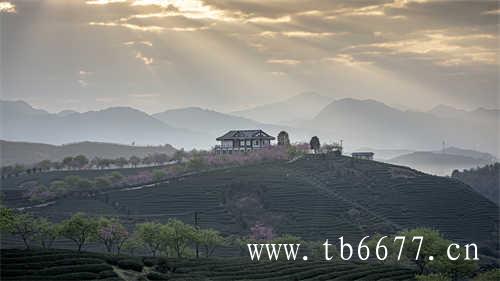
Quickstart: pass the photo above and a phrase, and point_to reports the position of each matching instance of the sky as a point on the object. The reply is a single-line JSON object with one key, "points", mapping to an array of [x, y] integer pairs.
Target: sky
{"points": [[230, 55]]}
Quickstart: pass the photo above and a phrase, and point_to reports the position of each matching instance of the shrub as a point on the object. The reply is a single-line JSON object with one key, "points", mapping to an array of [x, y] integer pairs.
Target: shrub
{"points": [[491, 275], [96, 268], [107, 274], [76, 276], [130, 264], [149, 261], [157, 276], [432, 277]]}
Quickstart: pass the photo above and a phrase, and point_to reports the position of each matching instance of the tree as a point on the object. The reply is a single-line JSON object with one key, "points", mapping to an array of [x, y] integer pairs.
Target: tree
{"points": [[85, 185], [80, 161], [181, 234], [45, 165], [147, 160], [432, 277], [23, 225], [283, 139], [68, 162], [315, 144], [47, 232], [121, 162], [196, 162], [131, 245], [179, 155], [134, 161], [102, 182], [6, 219], [112, 234], [160, 158], [457, 269], [116, 176], [80, 229], [490, 275], [72, 181], [58, 187], [209, 239], [158, 174], [149, 234]]}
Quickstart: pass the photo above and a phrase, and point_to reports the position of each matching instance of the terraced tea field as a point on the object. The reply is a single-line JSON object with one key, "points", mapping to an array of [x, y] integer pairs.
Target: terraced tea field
{"points": [[315, 198], [67, 265]]}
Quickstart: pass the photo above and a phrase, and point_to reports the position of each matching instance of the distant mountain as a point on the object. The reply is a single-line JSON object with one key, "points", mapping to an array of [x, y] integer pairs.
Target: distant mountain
{"points": [[66, 113], [31, 153], [215, 124], [371, 123], [204, 120], [438, 163], [480, 114], [300, 107], [468, 153], [117, 125], [21, 108]]}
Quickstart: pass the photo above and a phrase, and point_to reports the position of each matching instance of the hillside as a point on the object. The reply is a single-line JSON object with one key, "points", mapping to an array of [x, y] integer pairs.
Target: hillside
{"points": [[30, 153], [20, 122], [485, 180], [439, 163], [314, 198]]}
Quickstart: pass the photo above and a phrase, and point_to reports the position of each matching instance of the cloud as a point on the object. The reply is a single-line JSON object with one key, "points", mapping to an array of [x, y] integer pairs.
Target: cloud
{"points": [[297, 34], [105, 99], [144, 59], [150, 28], [144, 96], [7, 7], [83, 77], [103, 2], [348, 60], [443, 49], [284, 61], [145, 43], [278, 73], [491, 12], [194, 9], [282, 19]]}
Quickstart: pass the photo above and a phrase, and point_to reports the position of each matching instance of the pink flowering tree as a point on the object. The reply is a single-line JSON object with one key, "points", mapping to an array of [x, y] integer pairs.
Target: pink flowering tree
{"points": [[260, 232], [112, 234]]}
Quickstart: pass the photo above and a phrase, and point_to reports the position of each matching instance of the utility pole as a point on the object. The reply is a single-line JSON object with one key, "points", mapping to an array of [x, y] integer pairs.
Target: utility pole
{"points": [[197, 228]]}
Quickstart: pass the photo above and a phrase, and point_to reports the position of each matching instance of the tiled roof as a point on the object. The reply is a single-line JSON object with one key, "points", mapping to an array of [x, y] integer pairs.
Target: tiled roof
{"points": [[245, 134]]}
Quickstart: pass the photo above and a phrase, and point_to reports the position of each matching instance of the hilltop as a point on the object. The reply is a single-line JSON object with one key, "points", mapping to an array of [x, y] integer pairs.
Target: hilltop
{"points": [[315, 197]]}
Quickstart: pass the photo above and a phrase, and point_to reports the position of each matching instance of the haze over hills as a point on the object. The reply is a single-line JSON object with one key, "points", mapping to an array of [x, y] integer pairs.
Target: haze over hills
{"points": [[445, 111], [123, 125], [444, 162], [368, 122], [360, 123], [295, 109], [31, 153], [215, 124]]}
